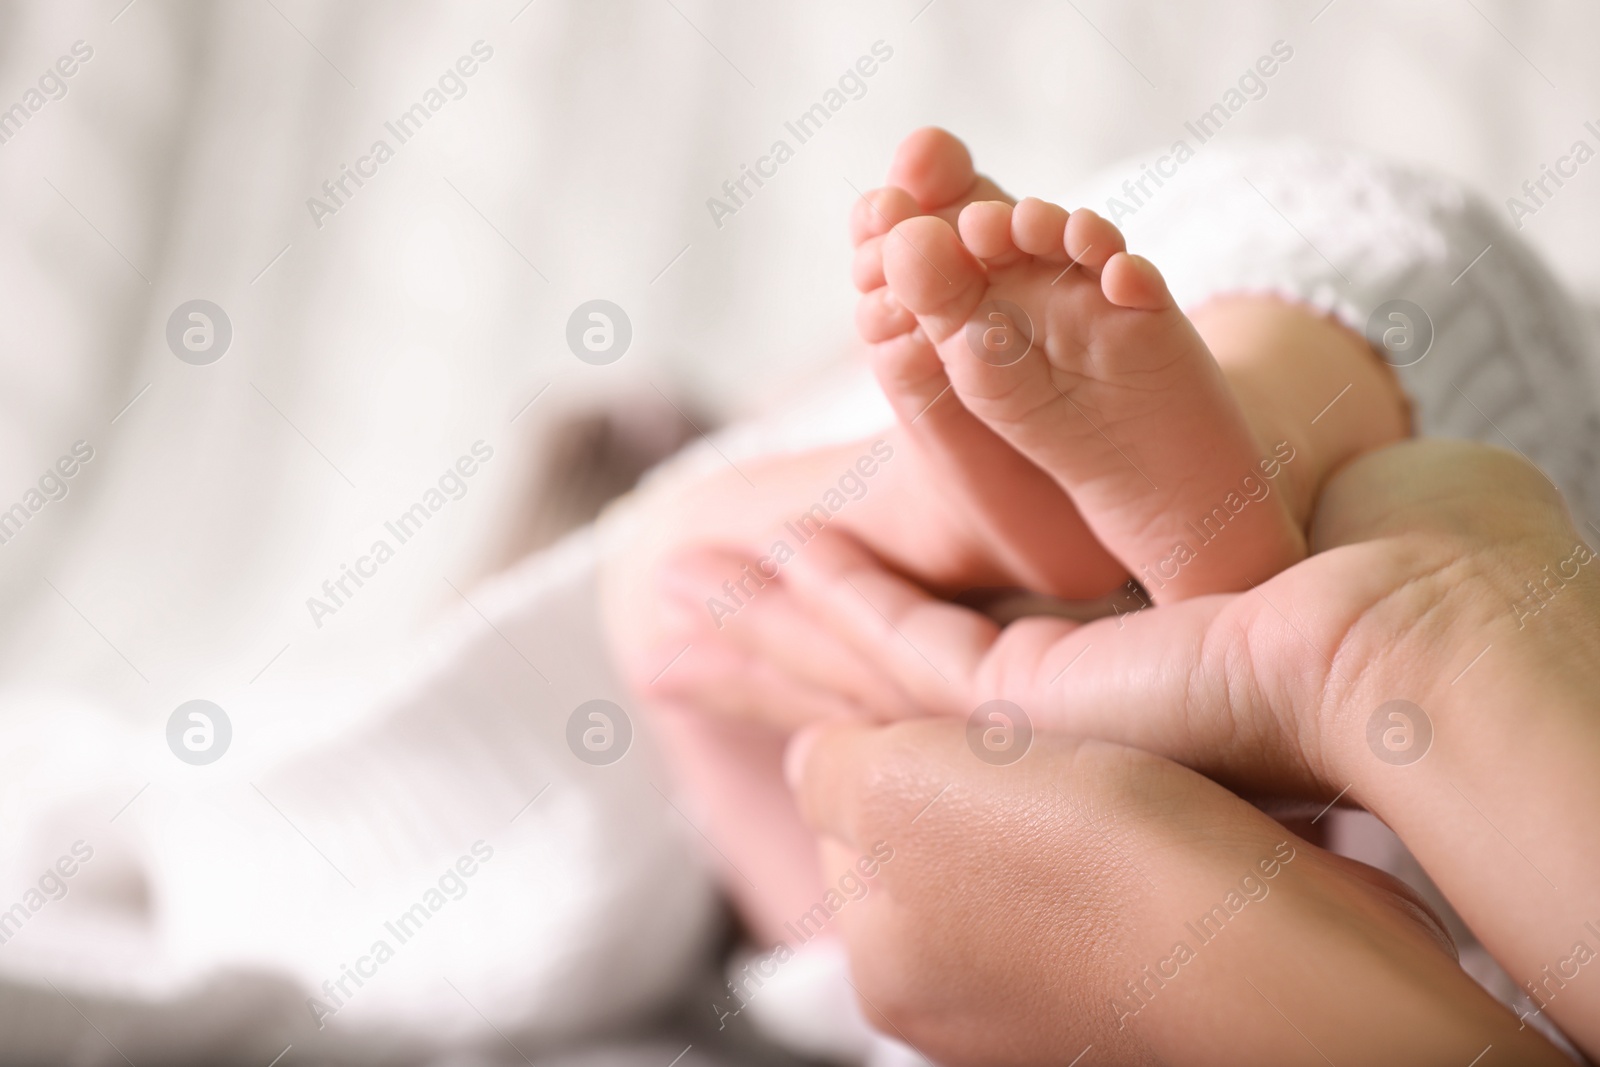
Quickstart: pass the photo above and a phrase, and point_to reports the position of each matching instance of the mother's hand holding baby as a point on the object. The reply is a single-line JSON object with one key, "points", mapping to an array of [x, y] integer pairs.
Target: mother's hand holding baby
{"points": [[1056, 902]]}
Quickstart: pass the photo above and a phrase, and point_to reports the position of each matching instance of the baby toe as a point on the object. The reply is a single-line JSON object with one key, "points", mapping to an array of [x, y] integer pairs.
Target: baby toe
{"points": [[1134, 282], [934, 166], [866, 270], [879, 316], [985, 228], [1092, 240], [933, 274], [1039, 227], [877, 212]]}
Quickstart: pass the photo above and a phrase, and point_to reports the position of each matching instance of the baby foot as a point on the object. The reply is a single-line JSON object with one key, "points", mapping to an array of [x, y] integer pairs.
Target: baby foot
{"points": [[999, 502], [1074, 352]]}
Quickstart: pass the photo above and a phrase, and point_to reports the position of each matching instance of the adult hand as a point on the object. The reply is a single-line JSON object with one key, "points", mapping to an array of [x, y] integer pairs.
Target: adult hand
{"points": [[1420, 591], [1094, 901]]}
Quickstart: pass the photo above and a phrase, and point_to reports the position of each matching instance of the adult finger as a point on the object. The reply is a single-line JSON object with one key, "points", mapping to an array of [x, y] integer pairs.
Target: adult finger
{"points": [[727, 682], [930, 647], [754, 617]]}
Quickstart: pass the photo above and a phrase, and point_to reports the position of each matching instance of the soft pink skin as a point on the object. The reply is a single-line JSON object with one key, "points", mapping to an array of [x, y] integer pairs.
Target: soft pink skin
{"points": [[1118, 399], [1126, 415]]}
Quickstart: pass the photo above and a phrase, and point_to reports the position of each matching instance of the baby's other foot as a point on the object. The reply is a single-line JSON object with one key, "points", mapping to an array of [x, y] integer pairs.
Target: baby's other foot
{"points": [[993, 498], [1074, 352]]}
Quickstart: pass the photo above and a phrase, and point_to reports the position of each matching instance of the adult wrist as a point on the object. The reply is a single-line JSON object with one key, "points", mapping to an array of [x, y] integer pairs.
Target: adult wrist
{"points": [[1482, 758]]}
